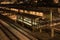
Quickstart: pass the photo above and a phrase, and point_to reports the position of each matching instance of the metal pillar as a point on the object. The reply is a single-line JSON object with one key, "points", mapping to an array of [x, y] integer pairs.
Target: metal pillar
{"points": [[52, 28]]}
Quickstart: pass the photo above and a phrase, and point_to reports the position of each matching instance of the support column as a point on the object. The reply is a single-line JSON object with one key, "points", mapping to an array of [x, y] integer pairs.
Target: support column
{"points": [[52, 28]]}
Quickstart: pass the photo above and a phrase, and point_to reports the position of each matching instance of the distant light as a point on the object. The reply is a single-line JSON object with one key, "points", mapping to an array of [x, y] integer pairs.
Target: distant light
{"points": [[36, 1], [56, 1], [21, 2]]}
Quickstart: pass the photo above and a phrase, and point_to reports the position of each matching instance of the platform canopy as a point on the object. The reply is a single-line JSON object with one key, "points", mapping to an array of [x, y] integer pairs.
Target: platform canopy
{"points": [[34, 3]]}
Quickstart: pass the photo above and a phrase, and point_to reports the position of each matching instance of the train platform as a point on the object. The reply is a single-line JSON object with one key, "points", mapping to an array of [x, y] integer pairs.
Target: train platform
{"points": [[44, 35]]}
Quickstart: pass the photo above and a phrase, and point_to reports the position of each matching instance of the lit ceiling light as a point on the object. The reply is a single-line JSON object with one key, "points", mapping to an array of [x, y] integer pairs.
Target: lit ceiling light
{"points": [[7, 2], [26, 11], [30, 12], [33, 13], [21, 10], [41, 14]]}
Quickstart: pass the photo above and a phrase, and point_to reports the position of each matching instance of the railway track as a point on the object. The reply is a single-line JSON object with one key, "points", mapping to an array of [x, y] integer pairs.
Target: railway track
{"points": [[21, 31], [3, 35], [9, 34]]}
